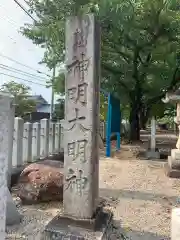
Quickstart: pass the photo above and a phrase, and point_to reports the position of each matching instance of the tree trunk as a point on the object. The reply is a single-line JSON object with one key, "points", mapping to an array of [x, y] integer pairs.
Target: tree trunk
{"points": [[134, 123], [144, 115]]}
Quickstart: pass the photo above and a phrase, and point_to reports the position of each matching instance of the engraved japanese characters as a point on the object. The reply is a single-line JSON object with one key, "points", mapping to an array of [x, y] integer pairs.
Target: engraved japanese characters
{"points": [[81, 116]]}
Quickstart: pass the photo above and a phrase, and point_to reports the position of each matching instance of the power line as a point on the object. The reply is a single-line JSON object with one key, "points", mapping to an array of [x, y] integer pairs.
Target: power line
{"points": [[26, 10], [14, 71], [22, 79], [23, 8], [15, 41], [11, 59], [6, 18], [16, 1], [23, 72], [10, 20]]}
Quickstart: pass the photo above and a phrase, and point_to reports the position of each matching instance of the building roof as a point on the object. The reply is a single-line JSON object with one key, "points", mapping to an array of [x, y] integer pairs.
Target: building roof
{"points": [[37, 98]]}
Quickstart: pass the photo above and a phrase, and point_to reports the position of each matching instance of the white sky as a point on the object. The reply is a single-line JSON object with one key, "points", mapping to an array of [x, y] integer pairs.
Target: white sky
{"points": [[17, 47]]}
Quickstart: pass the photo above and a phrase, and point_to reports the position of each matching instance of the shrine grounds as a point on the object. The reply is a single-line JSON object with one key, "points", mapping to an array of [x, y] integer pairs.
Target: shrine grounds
{"points": [[137, 190]]}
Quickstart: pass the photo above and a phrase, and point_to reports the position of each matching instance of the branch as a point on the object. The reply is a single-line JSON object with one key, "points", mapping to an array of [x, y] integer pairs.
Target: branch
{"points": [[147, 61], [174, 79], [135, 64], [114, 46], [113, 70], [117, 72], [172, 86]]}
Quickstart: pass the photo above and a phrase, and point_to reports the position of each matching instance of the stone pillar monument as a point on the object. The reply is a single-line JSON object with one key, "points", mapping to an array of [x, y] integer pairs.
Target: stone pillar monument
{"points": [[82, 216], [153, 152], [173, 166], [81, 149]]}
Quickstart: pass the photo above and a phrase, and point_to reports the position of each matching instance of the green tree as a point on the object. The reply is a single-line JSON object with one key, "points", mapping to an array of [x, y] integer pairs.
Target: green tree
{"points": [[140, 47], [20, 92], [59, 110]]}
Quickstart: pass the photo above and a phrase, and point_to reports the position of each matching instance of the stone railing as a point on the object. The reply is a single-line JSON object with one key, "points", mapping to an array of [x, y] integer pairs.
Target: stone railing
{"points": [[33, 141]]}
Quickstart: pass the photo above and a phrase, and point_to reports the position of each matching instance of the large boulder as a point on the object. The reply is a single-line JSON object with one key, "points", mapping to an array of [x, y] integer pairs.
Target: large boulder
{"points": [[41, 182]]}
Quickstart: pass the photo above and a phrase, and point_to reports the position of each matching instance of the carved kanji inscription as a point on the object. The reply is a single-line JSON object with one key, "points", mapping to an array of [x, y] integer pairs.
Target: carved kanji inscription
{"points": [[77, 150], [78, 93], [76, 182]]}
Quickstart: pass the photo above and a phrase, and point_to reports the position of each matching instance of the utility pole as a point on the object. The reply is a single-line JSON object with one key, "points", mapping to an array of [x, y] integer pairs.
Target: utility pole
{"points": [[52, 93]]}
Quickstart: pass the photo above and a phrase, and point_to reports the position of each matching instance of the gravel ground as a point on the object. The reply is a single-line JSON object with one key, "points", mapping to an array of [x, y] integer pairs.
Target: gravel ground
{"points": [[143, 195], [137, 191]]}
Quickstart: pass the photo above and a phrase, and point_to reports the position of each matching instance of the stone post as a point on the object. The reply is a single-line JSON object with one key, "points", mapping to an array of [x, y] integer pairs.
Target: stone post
{"points": [[153, 134], [6, 133], [35, 141], [175, 221], [81, 131], [57, 137], [52, 138], [62, 135], [172, 168], [44, 135], [81, 150], [11, 135], [17, 159], [174, 160], [153, 152], [27, 143]]}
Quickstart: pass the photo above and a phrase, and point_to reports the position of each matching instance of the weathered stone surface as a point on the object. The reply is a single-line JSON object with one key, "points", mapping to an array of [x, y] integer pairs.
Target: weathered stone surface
{"points": [[152, 154], [81, 125], [61, 228], [174, 161], [175, 153], [153, 133], [41, 182], [12, 214], [175, 222], [173, 167], [172, 173], [57, 158], [6, 138]]}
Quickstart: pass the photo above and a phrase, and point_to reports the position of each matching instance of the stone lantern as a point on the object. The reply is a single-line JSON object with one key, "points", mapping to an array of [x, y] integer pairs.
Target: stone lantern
{"points": [[173, 166]]}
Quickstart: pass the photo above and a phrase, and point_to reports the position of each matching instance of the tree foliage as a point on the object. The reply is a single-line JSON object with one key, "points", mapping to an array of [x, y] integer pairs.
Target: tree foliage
{"points": [[20, 92], [59, 110], [140, 47]]}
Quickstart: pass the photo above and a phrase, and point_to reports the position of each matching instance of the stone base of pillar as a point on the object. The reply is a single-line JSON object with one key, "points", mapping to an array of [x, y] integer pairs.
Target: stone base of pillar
{"points": [[13, 217], [62, 227], [153, 154], [172, 168]]}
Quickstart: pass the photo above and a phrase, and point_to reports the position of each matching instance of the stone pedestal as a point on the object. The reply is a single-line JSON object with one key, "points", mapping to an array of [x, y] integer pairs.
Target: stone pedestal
{"points": [[173, 166], [12, 215], [82, 219], [97, 228], [153, 154]]}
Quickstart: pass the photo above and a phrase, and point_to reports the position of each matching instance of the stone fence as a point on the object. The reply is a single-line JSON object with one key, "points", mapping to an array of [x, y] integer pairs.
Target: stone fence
{"points": [[33, 141]]}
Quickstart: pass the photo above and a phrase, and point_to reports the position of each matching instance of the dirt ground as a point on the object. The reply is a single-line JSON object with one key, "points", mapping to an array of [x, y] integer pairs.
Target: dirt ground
{"points": [[138, 192]]}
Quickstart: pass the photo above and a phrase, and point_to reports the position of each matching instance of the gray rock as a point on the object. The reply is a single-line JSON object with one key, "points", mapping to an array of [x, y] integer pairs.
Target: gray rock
{"points": [[12, 215]]}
